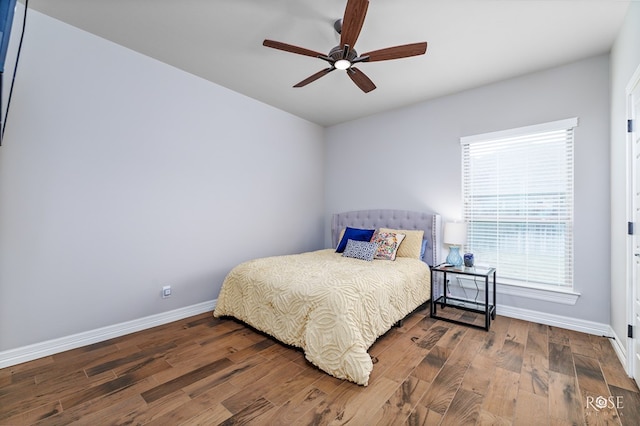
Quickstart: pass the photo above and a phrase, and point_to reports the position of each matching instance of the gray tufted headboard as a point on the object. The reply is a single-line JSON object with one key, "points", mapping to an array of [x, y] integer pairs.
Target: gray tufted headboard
{"points": [[398, 219]]}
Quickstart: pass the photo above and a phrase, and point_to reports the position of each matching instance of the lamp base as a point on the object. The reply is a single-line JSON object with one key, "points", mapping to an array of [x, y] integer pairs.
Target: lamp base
{"points": [[454, 257]]}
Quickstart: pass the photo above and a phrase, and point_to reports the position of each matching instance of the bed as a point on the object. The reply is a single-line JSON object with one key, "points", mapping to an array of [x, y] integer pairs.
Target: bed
{"points": [[334, 306]]}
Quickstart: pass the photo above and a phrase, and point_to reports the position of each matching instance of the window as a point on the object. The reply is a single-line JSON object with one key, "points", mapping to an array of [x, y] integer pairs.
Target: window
{"points": [[518, 202]]}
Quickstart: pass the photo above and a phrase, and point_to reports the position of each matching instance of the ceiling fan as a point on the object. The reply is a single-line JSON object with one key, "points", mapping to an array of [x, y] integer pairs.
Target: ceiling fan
{"points": [[344, 56]]}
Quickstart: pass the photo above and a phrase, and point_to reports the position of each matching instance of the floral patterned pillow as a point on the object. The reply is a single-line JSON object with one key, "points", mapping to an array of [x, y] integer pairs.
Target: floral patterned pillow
{"points": [[363, 250], [388, 243]]}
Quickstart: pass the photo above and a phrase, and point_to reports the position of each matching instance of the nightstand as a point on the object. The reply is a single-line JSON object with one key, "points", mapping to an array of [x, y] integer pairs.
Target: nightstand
{"points": [[481, 307]]}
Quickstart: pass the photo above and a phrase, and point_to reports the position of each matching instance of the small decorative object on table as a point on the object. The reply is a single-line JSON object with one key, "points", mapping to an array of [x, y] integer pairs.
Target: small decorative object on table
{"points": [[468, 260]]}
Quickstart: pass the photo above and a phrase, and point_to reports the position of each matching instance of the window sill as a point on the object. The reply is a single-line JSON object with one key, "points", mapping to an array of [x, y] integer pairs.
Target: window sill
{"points": [[562, 296]]}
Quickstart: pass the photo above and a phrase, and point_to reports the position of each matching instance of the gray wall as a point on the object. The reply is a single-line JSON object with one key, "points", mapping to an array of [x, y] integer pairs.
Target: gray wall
{"points": [[625, 59], [120, 174], [410, 159]]}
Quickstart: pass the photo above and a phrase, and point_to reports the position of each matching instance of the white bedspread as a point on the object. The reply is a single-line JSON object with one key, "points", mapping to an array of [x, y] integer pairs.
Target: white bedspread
{"points": [[332, 307]]}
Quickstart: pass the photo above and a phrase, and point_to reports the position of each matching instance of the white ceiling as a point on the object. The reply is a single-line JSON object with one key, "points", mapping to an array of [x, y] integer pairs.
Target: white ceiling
{"points": [[471, 43]]}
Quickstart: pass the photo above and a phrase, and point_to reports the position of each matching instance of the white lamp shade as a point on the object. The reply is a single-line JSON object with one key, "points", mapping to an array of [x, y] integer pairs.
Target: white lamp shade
{"points": [[455, 233]]}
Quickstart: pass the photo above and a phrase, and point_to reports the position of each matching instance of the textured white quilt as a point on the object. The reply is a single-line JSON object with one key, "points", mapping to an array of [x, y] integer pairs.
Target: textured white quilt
{"points": [[333, 307]]}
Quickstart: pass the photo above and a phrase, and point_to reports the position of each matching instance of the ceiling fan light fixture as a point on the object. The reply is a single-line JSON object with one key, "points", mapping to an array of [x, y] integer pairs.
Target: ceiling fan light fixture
{"points": [[342, 64]]}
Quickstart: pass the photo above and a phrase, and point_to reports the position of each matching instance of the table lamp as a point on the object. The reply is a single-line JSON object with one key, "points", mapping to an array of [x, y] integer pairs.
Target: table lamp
{"points": [[455, 235]]}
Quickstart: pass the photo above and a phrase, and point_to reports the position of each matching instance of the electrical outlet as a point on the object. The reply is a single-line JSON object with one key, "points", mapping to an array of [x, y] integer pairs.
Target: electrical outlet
{"points": [[166, 291]]}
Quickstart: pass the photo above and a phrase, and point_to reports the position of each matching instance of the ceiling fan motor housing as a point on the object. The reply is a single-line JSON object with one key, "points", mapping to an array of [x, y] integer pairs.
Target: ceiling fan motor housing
{"points": [[337, 53]]}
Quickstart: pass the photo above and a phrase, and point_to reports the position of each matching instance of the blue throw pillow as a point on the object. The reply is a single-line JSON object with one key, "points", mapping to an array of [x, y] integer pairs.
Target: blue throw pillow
{"points": [[423, 249], [363, 250], [355, 234]]}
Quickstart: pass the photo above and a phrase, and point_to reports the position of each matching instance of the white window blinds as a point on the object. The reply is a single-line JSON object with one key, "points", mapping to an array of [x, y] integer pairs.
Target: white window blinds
{"points": [[518, 202]]}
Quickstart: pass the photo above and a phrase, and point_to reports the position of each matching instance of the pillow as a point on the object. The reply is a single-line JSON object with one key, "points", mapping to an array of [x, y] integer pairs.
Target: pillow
{"points": [[355, 234], [423, 249], [388, 243], [363, 250], [412, 243]]}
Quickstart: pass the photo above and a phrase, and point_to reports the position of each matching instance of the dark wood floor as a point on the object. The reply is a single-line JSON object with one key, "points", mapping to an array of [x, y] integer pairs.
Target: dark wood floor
{"points": [[209, 371]]}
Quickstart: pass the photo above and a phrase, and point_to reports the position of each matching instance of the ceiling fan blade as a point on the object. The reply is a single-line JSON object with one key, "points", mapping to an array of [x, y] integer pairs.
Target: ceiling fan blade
{"points": [[291, 48], [397, 52], [352, 21], [361, 80], [314, 77]]}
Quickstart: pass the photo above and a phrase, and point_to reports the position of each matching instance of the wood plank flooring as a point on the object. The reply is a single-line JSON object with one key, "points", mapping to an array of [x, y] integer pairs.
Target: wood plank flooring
{"points": [[208, 371]]}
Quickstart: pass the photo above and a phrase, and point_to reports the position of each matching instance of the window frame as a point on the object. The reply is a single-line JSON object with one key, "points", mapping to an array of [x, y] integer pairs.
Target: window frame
{"points": [[567, 125]]}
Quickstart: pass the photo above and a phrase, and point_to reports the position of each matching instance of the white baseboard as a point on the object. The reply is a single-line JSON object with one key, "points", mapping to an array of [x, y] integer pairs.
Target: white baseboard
{"points": [[583, 326], [54, 346], [50, 347], [620, 350]]}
